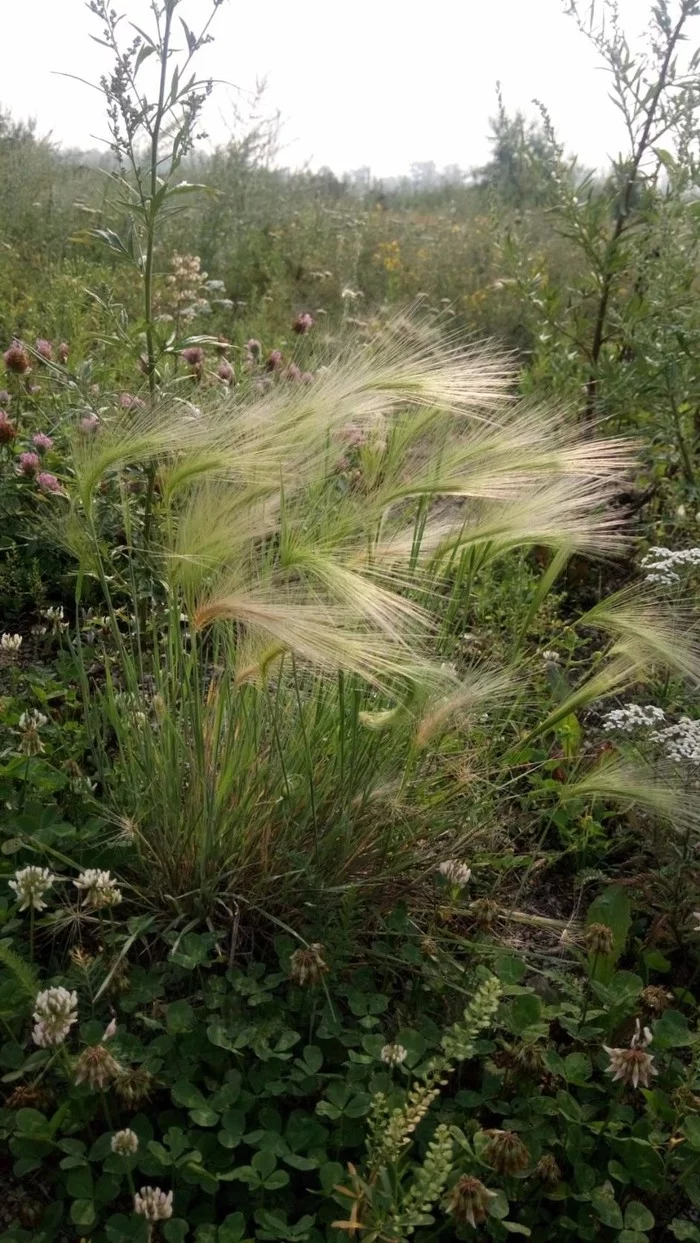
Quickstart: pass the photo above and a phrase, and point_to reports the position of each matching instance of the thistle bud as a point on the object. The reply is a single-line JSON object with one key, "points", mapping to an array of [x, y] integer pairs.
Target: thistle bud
{"points": [[134, 1086], [303, 323], [96, 1067], [506, 1152], [484, 912], [656, 999], [547, 1170], [307, 966], [16, 358], [599, 939], [529, 1059], [8, 431], [469, 1201]]}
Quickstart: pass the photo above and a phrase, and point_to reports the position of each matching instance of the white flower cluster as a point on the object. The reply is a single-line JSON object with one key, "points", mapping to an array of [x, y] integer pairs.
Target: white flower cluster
{"points": [[662, 564], [30, 885], [11, 642], [632, 717], [393, 1054], [31, 719], [125, 1143], [681, 742], [550, 657], [55, 1011], [100, 888], [153, 1204], [55, 615], [455, 873]]}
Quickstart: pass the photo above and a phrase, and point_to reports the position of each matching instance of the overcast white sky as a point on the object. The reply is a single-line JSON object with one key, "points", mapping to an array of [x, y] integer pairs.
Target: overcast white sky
{"points": [[372, 82]]}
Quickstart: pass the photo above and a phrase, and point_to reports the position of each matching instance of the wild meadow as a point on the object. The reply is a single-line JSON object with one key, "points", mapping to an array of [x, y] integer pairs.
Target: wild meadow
{"points": [[349, 734]]}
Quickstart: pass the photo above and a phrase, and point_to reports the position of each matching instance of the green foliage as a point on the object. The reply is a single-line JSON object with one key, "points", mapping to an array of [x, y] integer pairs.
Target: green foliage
{"points": [[366, 918]]}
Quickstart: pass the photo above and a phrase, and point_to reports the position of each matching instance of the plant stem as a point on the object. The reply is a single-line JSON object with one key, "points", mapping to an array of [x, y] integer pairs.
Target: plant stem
{"points": [[624, 207]]}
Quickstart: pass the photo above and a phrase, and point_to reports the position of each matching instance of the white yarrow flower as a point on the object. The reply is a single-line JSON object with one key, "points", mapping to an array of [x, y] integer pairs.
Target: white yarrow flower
{"points": [[30, 885], [681, 742], [662, 564], [55, 1011], [99, 888], [153, 1204], [632, 717]]}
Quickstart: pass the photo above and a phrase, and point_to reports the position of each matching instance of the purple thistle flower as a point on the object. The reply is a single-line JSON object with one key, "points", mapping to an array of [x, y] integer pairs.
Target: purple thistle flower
{"points": [[128, 402], [225, 371], [42, 442], [303, 323], [28, 463], [63, 352], [16, 358], [193, 355], [274, 360], [48, 482], [8, 431], [44, 348], [253, 347], [90, 423]]}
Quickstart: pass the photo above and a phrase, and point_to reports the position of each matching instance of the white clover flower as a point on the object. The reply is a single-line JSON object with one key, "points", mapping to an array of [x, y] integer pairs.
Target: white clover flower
{"points": [[30, 885], [632, 717], [455, 873], [125, 1143], [83, 785], [11, 642], [681, 742], [550, 657], [55, 615], [393, 1054], [31, 719], [55, 1011], [99, 888], [110, 1030], [633, 1065], [153, 1204]]}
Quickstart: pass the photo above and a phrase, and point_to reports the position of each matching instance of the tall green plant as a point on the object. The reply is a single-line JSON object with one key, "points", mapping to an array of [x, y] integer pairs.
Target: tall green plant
{"points": [[151, 137]]}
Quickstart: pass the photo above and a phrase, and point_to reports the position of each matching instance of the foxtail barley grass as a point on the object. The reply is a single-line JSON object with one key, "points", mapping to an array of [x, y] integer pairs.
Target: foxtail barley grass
{"points": [[267, 731]]}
